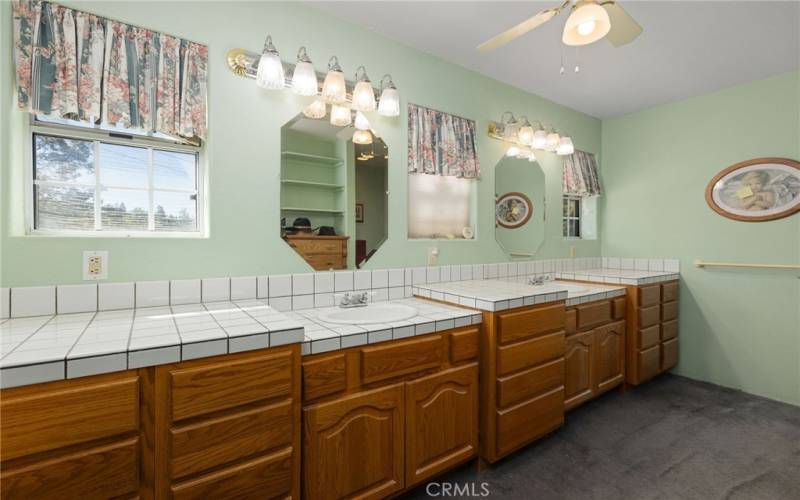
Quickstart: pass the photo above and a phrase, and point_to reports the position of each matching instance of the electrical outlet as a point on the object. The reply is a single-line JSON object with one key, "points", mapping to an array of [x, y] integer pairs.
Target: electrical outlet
{"points": [[95, 265], [433, 256], [572, 252]]}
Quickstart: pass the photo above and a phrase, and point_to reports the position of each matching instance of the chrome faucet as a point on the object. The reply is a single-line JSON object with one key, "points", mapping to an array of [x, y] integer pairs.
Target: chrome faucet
{"points": [[354, 299], [540, 279]]}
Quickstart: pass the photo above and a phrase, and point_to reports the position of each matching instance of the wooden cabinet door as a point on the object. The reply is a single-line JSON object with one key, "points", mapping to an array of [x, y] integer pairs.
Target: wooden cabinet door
{"points": [[609, 341], [578, 363], [441, 422], [353, 446]]}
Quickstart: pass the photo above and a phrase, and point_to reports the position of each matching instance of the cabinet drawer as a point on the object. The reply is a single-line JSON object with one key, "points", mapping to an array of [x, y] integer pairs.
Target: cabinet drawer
{"points": [[591, 315], [262, 477], [648, 316], [317, 246], [464, 345], [648, 337], [571, 321], [529, 353], [669, 291], [618, 308], [324, 376], [106, 471], [649, 295], [529, 420], [384, 362], [669, 354], [649, 362], [211, 443], [530, 382], [205, 387], [325, 262], [669, 311], [669, 330], [514, 326], [46, 417]]}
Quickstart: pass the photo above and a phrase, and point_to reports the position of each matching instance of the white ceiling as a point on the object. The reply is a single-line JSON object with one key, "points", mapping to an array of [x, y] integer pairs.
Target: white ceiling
{"points": [[687, 48]]}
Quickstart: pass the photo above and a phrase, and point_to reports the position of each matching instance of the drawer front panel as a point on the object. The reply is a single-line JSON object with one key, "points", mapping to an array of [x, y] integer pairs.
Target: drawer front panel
{"points": [[530, 382], [514, 326], [649, 362], [669, 291], [529, 353], [384, 362], [35, 419], [464, 345], [317, 246], [263, 477], [648, 316], [649, 337], [669, 354], [216, 386], [215, 442], [669, 329], [618, 308], [669, 311], [591, 315], [324, 376], [104, 471], [325, 262], [527, 421], [649, 295], [571, 321]]}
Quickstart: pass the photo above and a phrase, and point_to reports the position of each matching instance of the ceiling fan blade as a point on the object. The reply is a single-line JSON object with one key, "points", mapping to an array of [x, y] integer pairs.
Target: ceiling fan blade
{"points": [[624, 29], [519, 30]]}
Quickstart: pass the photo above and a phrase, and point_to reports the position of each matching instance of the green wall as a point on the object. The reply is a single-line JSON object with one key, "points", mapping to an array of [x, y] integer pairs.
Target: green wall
{"points": [[738, 328], [243, 148]]}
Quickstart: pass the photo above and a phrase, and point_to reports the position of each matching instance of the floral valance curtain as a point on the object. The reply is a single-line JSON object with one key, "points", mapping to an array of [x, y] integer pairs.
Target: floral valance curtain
{"points": [[75, 65], [441, 144], [580, 175]]}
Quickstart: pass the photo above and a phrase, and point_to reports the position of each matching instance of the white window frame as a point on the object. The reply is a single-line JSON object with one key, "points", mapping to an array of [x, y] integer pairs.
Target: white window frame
{"points": [[123, 138], [578, 218]]}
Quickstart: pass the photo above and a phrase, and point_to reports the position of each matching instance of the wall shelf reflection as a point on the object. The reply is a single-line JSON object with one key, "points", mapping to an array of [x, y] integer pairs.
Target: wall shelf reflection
{"points": [[310, 184]]}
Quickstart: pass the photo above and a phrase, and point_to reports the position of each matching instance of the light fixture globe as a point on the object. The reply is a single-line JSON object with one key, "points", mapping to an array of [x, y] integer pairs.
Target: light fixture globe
{"points": [[363, 95], [588, 23], [512, 152], [333, 88], [361, 122], [270, 73], [389, 103], [304, 78], [552, 141], [362, 137], [316, 110], [340, 116], [525, 133], [540, 139], [565, 146]]}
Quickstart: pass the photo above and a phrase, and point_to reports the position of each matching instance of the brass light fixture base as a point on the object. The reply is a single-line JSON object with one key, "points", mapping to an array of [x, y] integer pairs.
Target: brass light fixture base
{"points": [[237, 61]]}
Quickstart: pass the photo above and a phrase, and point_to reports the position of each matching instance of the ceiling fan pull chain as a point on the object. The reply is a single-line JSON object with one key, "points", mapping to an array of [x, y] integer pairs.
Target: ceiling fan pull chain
{"points": [[577, 61], [561, 71]]}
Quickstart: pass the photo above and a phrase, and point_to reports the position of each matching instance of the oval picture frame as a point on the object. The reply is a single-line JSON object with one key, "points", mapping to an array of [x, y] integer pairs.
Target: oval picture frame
{"points": [[503, 215], [757, 190]]}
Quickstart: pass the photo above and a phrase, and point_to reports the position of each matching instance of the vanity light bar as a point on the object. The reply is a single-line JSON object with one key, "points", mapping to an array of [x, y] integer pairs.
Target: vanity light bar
{"points": [[525, 137], [271, 72]]}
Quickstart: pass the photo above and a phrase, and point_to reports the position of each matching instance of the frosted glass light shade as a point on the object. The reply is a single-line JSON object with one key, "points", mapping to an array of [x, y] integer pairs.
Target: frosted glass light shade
{"points": [[304, 79], [531, 156], [389, 104], [565, 146], [363, 96], [512, 152], [525, 134], [340, 116], [539, 139], [588, 23], [333, 89], [552, 141], [316, 110], [361, 121], [362, 137], [270, 71]]}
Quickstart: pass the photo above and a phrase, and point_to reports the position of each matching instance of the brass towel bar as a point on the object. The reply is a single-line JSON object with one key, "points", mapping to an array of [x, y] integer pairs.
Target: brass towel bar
{"points": [[701, 263]]}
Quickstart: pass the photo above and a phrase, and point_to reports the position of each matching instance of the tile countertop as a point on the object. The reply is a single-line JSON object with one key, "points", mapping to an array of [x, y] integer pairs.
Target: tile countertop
{"points": [[512, 292], [621, 276], [432, 317]]}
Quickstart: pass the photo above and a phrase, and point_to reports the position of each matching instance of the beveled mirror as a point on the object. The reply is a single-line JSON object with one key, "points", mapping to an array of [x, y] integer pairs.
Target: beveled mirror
{"points": [[519, 206]]}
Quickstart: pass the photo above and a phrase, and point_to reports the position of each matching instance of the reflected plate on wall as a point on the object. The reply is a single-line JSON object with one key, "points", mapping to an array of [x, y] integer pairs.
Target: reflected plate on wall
{"points": [[513, 210]]}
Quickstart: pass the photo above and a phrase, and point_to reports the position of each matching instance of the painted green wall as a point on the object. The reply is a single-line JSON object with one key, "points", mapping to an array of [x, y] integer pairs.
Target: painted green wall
{"points": [[244, 145], [738, 328]]}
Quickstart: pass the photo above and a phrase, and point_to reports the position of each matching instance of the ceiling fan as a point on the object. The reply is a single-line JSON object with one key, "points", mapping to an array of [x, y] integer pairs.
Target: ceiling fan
{"points": [[589, 21]]}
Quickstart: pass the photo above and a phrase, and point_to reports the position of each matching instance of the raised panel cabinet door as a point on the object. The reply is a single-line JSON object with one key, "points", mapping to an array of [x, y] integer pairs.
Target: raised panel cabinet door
{"points": [[609, 341], [354, 446], [441, 422], [578, 367]]}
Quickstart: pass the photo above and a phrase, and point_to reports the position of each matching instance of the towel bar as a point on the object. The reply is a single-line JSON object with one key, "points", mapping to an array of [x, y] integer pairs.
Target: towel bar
{"points": [[700, 263]]}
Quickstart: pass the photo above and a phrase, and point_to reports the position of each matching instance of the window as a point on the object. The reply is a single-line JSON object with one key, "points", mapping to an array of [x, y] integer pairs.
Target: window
{"points": [[92, 181], [439, 207], [572, 217]]}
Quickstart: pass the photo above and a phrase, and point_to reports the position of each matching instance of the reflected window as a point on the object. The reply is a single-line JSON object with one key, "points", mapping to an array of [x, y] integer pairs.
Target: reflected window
{"points": [[571, 222], [440, 207]]}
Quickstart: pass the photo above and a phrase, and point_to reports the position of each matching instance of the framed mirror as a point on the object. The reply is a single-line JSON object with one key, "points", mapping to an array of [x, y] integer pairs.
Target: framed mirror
{"points": [[519, 206], [333, 193]]}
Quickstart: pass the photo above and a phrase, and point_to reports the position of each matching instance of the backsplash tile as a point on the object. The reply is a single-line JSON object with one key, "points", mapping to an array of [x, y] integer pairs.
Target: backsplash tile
{"points": [[396, 277], [216, 289], [112, 296], [380, 278], [184, 292], [342, 281], [5, 303], [362, 280], [33, 301], [76, 298], [244, 288], [280, 285], [262, 287], [303, 284], [323, 282], [152, 293]]}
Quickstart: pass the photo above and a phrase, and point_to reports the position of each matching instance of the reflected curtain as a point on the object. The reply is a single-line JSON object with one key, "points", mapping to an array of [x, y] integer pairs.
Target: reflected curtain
{"points": [[580, 175], [75, 65], [441, 144]]}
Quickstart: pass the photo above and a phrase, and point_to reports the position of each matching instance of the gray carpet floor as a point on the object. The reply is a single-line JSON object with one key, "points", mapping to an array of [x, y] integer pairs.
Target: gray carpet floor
{"points": [[672, 438]]}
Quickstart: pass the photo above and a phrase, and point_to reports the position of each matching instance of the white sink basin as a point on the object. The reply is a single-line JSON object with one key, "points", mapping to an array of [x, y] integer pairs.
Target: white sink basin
{"points": [[372, 313], [574, 288]]}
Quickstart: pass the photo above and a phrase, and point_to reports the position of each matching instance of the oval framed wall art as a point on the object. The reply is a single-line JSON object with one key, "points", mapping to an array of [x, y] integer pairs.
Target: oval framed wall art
{"points": [[513, 210], [757, 190]]}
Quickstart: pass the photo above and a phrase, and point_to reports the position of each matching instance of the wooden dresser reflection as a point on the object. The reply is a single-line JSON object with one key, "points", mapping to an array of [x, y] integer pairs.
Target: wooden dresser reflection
{"points": [[321, 252]]}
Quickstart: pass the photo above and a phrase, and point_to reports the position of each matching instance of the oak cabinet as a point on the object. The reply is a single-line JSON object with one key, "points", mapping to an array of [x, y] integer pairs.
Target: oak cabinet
{"points": [[652, 320], [609, 344], [579, 364]]}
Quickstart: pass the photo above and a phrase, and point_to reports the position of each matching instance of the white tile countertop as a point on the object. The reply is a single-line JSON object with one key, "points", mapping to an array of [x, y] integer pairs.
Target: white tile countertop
{"points": [[512, 292], [431, 317], [619, 276], [55, 347]]}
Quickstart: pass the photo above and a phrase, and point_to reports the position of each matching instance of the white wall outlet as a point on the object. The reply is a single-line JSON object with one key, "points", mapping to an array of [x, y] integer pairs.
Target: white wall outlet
{"points": [[572, 252], [95, 265], [433, 256]]}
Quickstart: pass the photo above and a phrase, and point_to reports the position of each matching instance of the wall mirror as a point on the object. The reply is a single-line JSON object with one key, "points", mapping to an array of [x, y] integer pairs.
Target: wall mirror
{"points": [[519, 206], [333, 193]]}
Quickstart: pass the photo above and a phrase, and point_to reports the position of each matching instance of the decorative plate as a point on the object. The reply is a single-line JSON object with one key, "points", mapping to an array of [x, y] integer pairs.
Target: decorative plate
{"points": [[756, 190], [513, 210]]}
